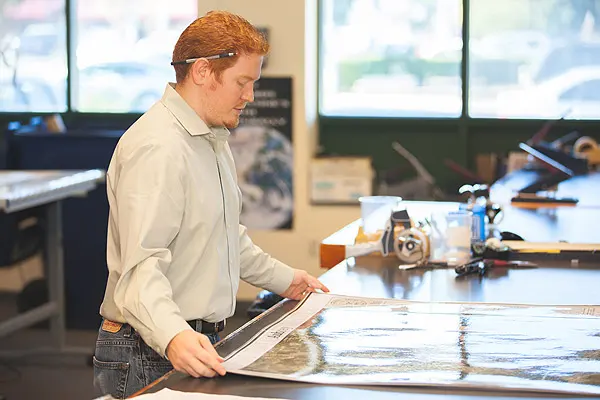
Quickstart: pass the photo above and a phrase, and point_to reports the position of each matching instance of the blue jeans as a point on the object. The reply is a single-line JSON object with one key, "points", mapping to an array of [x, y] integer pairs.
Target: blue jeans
{"points": [[124, 363]]}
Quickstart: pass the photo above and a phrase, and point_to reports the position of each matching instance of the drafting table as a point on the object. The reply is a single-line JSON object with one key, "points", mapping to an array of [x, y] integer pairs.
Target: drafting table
{"points": [[20, 190], [558, 284], [555, 282]]}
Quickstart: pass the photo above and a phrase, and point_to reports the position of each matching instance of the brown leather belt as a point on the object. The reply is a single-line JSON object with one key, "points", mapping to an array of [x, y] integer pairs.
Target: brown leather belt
{"points": [[207, 327]]}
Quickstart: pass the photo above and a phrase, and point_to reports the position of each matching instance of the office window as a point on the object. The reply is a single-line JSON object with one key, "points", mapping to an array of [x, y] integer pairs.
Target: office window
{"points": [[123, 52], [391, 58], [534, 59], [33, 56]]}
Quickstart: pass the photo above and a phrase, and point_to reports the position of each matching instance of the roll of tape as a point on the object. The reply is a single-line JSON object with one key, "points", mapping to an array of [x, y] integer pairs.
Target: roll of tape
{"points": [[583, 145], [412, 246]]}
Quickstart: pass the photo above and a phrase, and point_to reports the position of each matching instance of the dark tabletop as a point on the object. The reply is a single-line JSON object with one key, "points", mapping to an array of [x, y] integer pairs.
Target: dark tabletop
{"points": [[551, 283]]}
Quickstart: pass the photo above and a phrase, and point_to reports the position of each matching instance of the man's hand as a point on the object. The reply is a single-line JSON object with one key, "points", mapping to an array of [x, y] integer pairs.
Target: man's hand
{"points": [[302, 284], [193, 353]]}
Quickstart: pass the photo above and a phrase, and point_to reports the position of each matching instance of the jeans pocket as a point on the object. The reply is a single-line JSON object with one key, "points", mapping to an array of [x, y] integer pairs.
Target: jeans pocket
{"points": [[110, 377]]}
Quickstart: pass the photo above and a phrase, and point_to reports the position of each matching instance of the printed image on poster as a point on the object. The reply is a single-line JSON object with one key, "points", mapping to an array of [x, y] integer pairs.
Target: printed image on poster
{"points": [[500, 347], [263, 153]]}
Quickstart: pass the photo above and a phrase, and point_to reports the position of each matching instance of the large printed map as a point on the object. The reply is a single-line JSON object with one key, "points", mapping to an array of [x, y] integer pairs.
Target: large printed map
{"points": [[352, 340]]}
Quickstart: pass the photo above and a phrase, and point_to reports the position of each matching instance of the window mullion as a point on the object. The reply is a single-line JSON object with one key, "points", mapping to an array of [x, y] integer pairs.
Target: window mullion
{"points": [[464, 70], [70, 62]]}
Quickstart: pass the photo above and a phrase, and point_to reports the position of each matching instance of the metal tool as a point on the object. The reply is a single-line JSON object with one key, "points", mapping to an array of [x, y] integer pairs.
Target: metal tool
{"points": [[477, 266], [480, 265]]}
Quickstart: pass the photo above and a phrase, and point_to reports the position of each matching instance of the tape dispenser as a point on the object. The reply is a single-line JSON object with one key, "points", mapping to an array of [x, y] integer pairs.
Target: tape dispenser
{"points": [[587, 148], [410, 244]]}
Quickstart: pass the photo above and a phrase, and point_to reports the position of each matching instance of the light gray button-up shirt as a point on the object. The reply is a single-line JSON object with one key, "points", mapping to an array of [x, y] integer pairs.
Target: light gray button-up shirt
{"points": [[176, 249]]}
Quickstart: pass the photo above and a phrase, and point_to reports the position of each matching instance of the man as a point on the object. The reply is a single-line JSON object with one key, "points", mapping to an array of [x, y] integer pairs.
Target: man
{"points": [[176, 250]]}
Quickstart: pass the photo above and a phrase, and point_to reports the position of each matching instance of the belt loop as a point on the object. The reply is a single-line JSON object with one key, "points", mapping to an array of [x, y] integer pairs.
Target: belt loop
{"points": [[198, 327], [127, 331]]}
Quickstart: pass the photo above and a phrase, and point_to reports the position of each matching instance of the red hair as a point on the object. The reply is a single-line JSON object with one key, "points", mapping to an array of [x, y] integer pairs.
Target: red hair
{"points": [[215, 33]]}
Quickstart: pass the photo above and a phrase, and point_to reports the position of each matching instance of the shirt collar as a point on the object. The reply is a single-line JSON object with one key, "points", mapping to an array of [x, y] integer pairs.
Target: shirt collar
{"points": [[188, 118]]}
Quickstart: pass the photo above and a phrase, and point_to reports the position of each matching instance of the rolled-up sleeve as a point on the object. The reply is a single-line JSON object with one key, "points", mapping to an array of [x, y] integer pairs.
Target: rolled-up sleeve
{"points": [[260, 269], [150, 203]]}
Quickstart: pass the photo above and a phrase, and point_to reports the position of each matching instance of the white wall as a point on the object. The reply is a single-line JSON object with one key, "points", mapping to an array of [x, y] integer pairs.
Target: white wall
{"points": [[293, 38]]}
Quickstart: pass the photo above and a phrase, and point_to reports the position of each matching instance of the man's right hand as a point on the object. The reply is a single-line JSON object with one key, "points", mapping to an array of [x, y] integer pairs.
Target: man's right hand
{"points": [[193, 353]]}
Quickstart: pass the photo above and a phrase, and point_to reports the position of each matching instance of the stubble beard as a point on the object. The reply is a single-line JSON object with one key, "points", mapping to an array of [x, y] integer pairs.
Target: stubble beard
{"points": [[233, 123]]}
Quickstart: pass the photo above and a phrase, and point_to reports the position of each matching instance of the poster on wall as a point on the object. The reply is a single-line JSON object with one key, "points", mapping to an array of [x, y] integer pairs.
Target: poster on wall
{"points": [[263, 153]]}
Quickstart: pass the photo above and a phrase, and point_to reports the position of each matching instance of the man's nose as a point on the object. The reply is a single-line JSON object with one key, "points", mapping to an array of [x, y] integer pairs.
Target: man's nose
{"points": [[248, 95]]}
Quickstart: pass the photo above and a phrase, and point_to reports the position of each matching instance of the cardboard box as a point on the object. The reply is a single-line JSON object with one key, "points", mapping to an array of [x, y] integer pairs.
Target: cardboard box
{"points": [[340, 179]]}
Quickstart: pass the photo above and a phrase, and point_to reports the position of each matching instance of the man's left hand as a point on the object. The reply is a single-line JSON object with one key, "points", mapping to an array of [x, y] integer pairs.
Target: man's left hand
{"points": [[302, 284]]}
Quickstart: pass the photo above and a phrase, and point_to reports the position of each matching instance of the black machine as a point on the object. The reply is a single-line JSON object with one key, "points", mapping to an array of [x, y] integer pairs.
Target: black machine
{"points": [[551, 165]]}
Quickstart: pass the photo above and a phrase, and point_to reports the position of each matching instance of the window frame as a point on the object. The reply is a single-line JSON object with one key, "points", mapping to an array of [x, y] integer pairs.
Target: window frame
{"points": [[75, 120], [463, 123], [435, 121]]}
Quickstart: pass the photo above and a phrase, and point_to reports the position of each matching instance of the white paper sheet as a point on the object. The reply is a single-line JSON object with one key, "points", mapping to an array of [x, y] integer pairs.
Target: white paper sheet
{"points": [[352, 340], [168, 394], [275, 333]]}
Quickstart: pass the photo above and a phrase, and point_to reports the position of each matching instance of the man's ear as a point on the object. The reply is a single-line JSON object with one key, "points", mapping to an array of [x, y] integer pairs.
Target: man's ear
{"points": [[200, 71]]}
